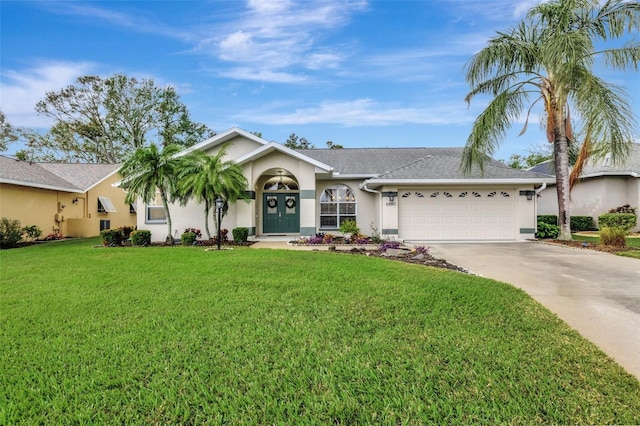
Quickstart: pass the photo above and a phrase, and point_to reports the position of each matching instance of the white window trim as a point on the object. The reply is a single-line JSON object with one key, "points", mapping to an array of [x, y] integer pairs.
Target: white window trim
{"points": [[107, 205], [148, 220], [337, 215]]}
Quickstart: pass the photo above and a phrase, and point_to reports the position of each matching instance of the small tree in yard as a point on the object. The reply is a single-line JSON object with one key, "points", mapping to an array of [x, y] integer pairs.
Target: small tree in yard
{"points": [[149, 170], [205, 178]]}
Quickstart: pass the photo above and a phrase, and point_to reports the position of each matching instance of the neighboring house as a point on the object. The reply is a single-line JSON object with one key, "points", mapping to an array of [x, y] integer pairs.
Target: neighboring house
{"points": [[602, 187], [406, 193], [76, 200]]}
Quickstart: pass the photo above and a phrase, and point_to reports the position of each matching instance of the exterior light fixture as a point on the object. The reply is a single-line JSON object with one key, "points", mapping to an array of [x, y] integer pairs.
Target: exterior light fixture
{"points": [[219, 204], [391, 196], [528, 194]]}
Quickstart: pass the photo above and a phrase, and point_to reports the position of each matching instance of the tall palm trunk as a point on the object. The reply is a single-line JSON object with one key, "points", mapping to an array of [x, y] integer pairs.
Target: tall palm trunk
{"points": [[207, 207], [561, 158], [165, 204]]}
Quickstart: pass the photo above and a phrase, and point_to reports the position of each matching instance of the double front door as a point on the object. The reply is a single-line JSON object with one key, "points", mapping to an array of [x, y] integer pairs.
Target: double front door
{"points": [[281, 214]]}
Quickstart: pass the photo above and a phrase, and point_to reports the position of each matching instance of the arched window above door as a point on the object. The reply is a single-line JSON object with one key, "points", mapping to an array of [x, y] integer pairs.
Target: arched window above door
{"points": [[281, 183]]}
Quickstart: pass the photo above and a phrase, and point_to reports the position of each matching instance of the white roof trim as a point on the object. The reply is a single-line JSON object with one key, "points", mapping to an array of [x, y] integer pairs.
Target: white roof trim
{"points": [[107, 205], [221, 138], [39, 185], [274, 146], [456, 182]]}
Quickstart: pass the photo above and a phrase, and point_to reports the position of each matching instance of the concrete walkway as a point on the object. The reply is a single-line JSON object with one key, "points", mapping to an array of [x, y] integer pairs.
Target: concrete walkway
{"points": [[597, 294]]}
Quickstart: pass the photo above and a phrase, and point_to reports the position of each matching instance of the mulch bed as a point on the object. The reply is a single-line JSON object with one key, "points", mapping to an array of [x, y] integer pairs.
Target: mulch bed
{"points": [[410, 257], [590, 246]]}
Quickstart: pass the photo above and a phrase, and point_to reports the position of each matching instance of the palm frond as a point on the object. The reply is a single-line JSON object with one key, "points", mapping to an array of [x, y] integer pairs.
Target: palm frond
{"points": [[490, 127]]}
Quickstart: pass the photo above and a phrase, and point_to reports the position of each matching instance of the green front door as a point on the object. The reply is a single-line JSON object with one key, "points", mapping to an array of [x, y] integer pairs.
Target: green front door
{"points": [[281, 214]]}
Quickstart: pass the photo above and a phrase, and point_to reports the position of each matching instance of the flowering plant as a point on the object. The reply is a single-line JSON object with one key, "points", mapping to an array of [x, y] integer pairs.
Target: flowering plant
{"points": [[194, 231]]}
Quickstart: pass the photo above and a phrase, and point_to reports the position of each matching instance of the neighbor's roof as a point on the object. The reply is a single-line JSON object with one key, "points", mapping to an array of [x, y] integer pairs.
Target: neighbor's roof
{"points": [[67, 177], [413, 164], [602, 167]]}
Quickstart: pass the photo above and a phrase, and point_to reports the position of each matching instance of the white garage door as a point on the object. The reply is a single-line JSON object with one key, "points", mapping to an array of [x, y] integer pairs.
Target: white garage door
{"points": [[457, 214]]}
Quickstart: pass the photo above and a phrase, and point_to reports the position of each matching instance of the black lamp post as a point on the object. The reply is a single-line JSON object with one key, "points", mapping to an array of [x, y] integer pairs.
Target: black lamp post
{"points": [[219, 204]]}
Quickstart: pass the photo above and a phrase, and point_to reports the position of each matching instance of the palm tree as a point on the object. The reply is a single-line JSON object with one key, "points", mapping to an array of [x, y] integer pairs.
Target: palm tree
{"points": [[205, 178], [148, 170], [548, 57]]}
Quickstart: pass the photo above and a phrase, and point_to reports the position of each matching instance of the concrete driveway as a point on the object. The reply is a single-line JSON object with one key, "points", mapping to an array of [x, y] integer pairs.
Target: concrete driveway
{"points": [[597, 294]]}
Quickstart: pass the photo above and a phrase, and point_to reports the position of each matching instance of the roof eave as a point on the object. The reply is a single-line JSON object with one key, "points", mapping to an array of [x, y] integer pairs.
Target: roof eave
{"points": [[273, 146], [40, 186], [374, 183]]}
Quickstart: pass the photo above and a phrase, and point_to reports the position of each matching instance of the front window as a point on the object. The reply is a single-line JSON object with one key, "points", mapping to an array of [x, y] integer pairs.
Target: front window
{"points": [[156, 214], [337, 204]]}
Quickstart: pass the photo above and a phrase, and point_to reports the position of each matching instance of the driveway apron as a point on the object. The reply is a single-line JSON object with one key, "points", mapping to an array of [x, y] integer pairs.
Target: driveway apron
{"points": [[598, 294]]}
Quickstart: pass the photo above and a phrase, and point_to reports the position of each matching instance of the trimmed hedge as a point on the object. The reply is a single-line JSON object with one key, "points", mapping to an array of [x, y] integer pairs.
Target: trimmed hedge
{"points": [[547, 231], [582, 223], [188, 238], [578, 223], [549, 219], [140, 238], [240, 234], [112, 237], [624, 221]]}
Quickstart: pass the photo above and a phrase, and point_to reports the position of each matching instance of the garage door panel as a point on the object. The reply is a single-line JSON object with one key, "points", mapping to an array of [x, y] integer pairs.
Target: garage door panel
{"points": [[465, 215]]}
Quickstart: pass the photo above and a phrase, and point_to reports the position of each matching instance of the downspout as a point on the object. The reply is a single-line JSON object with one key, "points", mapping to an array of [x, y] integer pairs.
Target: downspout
{"points": [[363, 186], [535, 207]]}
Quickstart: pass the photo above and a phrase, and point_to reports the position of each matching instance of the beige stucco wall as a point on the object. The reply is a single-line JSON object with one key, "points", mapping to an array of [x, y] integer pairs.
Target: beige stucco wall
{"points": [[593, 197], [31, 206], [55, 211]]}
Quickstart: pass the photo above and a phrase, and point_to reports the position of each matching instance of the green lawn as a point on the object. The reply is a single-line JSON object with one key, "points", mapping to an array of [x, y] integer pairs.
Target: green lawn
{"points": [[631, 242], [184, 336]]}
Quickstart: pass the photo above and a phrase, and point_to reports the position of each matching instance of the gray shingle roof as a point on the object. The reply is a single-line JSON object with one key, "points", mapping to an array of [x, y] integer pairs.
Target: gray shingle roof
{"points": [[605, 166], [411, 163], [60, 176], [600, 167]]}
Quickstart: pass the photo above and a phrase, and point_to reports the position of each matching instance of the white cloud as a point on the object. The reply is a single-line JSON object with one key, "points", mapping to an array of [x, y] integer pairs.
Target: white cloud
{"points": [[21, 90], [363, 112]]}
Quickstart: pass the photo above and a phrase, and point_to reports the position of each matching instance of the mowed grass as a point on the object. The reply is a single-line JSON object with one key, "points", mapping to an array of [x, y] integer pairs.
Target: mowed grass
{"points": [[632, 242], [245, 336]]}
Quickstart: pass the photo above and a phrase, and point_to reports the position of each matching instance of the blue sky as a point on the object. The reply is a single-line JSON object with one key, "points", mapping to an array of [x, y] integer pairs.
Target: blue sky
{"points": [[358, 73]]}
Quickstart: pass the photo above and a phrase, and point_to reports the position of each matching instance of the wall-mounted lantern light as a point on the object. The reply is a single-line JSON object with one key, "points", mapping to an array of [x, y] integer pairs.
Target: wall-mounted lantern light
{"points": [[528, 194], [391, 196]]}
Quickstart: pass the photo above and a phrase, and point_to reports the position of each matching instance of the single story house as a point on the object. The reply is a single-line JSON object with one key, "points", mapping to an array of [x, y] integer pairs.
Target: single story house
{"points": [[413, 194], [602, 187], [75, 200]]}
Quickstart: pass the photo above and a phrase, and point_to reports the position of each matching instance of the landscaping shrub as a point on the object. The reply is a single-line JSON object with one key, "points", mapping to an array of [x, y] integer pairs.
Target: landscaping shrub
{"points": [[582, 223], [126, 231], [31, 232], [240, 235], [624, 209], [223, 236], [349, 227], [140, 238], [547, 231], [188, 238], [112, 237], [10, 232], [549, 219], [195, 231], [327, 238], [389, 244], [613, 237], [421, 249], [359, 239], [624, 221]]}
